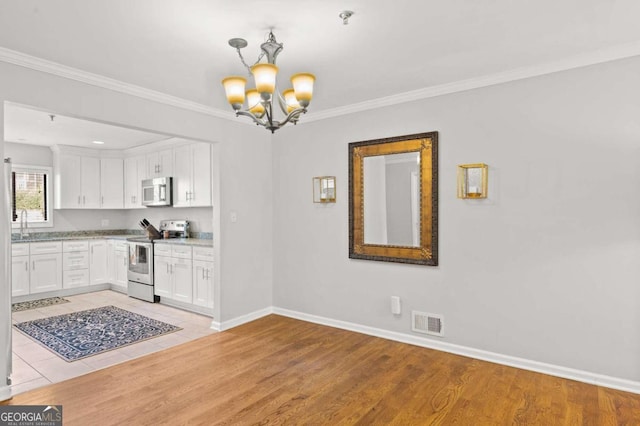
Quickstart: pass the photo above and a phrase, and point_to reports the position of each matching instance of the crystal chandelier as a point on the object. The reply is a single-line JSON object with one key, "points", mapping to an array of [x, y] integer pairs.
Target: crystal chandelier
{"points": [[260, 100]]}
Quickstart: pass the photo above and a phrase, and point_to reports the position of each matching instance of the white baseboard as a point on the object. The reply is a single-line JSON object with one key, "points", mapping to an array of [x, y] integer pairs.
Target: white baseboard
{"points": [[525, 364], [511, 361], [243, 319], [5, 393]]}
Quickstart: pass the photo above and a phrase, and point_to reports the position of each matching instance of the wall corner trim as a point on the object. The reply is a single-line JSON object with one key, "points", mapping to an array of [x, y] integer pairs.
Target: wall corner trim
{"points": [[38, 64], [608, 54], [522, 363]]}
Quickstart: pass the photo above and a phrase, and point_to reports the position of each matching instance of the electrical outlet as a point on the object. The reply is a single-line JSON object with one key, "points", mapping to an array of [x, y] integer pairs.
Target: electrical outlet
{"points": [[105, 222]]}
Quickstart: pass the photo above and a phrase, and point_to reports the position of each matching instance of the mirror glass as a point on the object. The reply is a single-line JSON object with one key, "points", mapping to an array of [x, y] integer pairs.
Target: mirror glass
{"points": [[391, 199]]}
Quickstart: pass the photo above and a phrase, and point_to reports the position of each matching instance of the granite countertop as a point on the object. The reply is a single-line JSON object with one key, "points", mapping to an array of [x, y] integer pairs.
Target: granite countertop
{"points": [[39, 239], [202, 242], [205, 241]]}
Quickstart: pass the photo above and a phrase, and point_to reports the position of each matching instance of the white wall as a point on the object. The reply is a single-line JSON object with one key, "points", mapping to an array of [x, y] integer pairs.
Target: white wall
{"points": [[547, 268], [200, 218], [244, 151]]}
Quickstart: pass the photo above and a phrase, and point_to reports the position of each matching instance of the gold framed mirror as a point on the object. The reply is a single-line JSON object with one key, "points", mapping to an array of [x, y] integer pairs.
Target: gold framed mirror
{"points": [[393, 199]]}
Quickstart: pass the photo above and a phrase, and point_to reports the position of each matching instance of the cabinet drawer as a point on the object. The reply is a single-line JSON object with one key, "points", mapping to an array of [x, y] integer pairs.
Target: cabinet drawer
{"points": [[75, 260], [78, 278], [203, 253], [182, 252], [162, 249], [20, 249], [68, 246], [46, 248], [120, 245]]}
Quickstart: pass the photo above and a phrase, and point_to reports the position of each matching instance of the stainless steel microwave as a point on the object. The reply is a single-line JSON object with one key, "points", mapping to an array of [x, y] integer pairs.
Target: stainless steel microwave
{"points": [[157, 192]]}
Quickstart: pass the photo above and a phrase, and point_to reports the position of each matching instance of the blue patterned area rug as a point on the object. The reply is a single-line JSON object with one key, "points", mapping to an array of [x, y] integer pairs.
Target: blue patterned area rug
{"points": [[40, 303], [81, 334]]}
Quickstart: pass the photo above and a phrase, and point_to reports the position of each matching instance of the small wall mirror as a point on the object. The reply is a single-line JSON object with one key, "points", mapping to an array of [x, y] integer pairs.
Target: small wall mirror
{"points": [[393, 199]]}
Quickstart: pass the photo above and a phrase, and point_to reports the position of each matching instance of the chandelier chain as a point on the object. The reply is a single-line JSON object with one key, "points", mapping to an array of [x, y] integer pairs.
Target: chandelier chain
{"points": [[243, 61]]}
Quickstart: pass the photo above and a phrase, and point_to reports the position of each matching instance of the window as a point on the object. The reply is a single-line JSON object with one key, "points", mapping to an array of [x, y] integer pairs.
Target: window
{"points": [[30, 189]]}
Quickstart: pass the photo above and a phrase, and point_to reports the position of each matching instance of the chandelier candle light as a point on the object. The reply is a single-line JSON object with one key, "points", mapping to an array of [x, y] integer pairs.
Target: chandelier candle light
{"points": [[292, 102]]}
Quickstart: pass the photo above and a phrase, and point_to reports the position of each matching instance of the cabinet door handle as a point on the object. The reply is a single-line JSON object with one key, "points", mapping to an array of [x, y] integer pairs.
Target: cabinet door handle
{"points": [[78, 200], [167, 268], [203, 277], [84, 200], [102, 201], [26, 265], [33, 265]]}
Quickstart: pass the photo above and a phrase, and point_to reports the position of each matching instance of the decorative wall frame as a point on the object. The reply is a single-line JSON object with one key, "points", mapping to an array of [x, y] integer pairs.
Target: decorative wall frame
{"points": [[423, 249]]}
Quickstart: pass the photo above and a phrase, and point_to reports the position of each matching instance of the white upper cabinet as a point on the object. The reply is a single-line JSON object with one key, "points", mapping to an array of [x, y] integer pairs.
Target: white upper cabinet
{"points": [[134, 173], [87, 179], [192, 175], [159, 164], [90, 182], [93, 179], [112, 183], [67, 182], [77, 181]]}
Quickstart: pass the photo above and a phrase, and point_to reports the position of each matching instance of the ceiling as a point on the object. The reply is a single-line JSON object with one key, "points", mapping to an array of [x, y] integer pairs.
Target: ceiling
{"points": [[30, 126], [179, 47]]}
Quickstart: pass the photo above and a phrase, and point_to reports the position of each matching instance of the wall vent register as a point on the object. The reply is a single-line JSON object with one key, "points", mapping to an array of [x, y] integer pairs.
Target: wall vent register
{"points": [[432, 324]]}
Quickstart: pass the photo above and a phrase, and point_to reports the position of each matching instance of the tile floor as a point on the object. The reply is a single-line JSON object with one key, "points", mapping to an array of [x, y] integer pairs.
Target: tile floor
{"points": [[34, 366]]}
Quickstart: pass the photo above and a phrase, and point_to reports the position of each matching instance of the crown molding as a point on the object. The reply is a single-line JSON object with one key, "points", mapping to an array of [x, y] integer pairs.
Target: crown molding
{"points": [[54, 68], [577, 61], [596, 57]]}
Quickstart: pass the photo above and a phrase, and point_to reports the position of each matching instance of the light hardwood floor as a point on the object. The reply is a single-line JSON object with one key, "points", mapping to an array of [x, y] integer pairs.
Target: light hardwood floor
{"points": [[278, 370]]}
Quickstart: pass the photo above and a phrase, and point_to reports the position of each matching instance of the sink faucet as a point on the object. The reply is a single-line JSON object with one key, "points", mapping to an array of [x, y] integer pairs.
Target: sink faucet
{"points": [[24, 224]]}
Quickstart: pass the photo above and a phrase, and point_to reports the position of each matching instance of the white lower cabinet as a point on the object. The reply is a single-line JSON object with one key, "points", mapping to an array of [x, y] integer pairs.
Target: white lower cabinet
{"points": [[162, 276], [75, 263], [117, 263], [97, 262], [75, 278], [203, 283], [203, 277], [20, 275], [182, 273], [173, 275], [46, 273], [36, 268], [46, 267]]}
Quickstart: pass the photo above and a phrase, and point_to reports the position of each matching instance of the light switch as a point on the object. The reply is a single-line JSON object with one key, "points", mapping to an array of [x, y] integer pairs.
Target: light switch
{"points": [[395, 305], [233, 216]]}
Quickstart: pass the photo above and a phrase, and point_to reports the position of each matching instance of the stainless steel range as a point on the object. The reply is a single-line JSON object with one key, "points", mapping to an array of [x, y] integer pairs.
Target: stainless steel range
{"points": [[140, 272]]}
